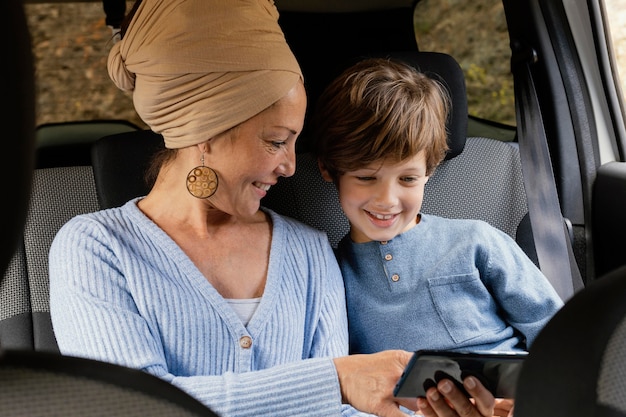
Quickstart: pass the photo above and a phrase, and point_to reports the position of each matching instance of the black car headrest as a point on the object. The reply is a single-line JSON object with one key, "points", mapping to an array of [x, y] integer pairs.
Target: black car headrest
{"points": [[446, 70], [120, 162], [437, 65]]}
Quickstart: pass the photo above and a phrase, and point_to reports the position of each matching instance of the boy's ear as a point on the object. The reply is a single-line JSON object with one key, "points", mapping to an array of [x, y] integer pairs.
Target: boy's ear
{"points": [[324, 171]]}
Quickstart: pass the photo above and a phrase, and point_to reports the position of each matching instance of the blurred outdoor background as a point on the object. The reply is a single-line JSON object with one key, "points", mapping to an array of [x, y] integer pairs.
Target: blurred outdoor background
{"points": [[71, 44]]}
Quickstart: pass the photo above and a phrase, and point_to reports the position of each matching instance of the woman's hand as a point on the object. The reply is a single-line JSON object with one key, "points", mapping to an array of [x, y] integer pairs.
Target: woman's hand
{"points": [[367, 381], [446, 400]]}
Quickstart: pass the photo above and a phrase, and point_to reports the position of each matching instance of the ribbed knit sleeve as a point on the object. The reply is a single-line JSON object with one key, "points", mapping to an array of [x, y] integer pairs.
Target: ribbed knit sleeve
{"points": [[122, 291]]}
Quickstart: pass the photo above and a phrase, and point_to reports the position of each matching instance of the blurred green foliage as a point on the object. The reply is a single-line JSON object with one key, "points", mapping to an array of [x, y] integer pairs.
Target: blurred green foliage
{"points": [[475, 34]]}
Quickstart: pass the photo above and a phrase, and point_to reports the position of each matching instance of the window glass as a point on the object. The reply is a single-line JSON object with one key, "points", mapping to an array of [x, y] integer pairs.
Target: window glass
{"points": [[616, 14], [475, 34], [67, 36], [70, 46]]}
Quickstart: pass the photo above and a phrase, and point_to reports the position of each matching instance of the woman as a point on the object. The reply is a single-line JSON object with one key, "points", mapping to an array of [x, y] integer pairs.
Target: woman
{"points": [[195, 283]]}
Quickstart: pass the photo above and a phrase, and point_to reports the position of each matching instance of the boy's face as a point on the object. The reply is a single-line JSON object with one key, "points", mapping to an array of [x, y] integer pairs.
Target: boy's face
{"points": [[383, 199]]}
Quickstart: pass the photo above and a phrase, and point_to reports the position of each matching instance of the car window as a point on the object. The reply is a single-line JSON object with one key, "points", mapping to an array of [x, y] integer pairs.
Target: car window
{"points": [[70, 45], [616, 16], [475, 33], [73, 84]]}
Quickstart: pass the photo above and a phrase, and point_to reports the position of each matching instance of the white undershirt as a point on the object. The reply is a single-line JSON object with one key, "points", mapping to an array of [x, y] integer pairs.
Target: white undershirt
{"points": [[244, 308]]}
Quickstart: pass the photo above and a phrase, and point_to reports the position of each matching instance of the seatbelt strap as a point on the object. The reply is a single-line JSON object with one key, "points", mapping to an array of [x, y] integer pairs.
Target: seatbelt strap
{"points": [[552, 241]]}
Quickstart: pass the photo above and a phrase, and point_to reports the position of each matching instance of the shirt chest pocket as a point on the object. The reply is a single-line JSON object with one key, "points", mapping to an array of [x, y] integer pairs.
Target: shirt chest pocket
{"points": [[465, 306]]}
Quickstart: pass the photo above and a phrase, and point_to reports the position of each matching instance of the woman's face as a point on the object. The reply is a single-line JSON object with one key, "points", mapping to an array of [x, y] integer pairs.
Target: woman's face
{"points": [[250, 158]]}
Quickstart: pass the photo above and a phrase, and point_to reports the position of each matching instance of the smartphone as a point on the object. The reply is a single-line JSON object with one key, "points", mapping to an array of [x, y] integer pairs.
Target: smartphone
{"points": [[497, 371]]}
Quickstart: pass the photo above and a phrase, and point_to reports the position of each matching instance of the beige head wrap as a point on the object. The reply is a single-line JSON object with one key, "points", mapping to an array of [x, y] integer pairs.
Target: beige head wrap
{"points": [[200, 67]]}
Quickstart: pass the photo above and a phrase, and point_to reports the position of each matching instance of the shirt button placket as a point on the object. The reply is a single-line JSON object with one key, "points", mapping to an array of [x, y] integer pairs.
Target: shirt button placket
{"points": [[389, 257]]}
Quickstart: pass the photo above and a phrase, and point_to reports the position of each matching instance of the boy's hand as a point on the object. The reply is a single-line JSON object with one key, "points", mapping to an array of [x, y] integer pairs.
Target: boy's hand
{"points": [[446, 400]]}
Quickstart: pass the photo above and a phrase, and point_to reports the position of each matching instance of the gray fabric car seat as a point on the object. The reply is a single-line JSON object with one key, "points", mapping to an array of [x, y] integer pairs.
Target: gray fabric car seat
{"points": [[483, 182], [19, 125], [57, 195], [577, 364]]}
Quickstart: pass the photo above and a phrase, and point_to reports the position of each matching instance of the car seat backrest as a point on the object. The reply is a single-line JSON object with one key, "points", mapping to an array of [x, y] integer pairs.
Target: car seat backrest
{"points": [[58, 194], [483, 182], [306, 196]]}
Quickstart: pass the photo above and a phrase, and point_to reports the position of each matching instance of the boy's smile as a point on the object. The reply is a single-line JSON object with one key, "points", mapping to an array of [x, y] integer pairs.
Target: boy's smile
{"points": [[383, 199]]}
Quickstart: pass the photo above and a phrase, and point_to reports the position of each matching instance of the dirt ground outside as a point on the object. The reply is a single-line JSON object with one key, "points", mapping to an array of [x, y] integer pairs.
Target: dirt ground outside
{"points": [[70, 44]]}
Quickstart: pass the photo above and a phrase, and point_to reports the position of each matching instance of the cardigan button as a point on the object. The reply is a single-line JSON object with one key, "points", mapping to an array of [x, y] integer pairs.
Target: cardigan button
{"points": [[388, 257], [245, 342], [395, 277]]}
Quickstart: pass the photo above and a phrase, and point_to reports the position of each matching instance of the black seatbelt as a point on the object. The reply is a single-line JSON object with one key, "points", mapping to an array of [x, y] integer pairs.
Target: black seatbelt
{"points": [[552, 241]]}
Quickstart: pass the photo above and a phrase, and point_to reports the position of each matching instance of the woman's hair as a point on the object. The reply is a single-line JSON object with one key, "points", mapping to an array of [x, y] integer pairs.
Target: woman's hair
{"points": [[128, 18], [158, 160], [380, 109]]}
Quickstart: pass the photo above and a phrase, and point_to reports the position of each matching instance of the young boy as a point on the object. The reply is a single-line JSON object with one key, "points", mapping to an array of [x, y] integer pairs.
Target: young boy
{"points": [[416, 281]]}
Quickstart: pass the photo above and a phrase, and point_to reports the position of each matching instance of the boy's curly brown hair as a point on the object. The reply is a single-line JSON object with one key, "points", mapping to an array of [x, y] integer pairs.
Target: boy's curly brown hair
{"points": [[380, 109]]}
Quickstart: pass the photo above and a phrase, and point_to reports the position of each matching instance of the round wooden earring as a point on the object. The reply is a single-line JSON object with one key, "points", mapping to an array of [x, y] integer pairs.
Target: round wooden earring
{"points": [[202, 182]]}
